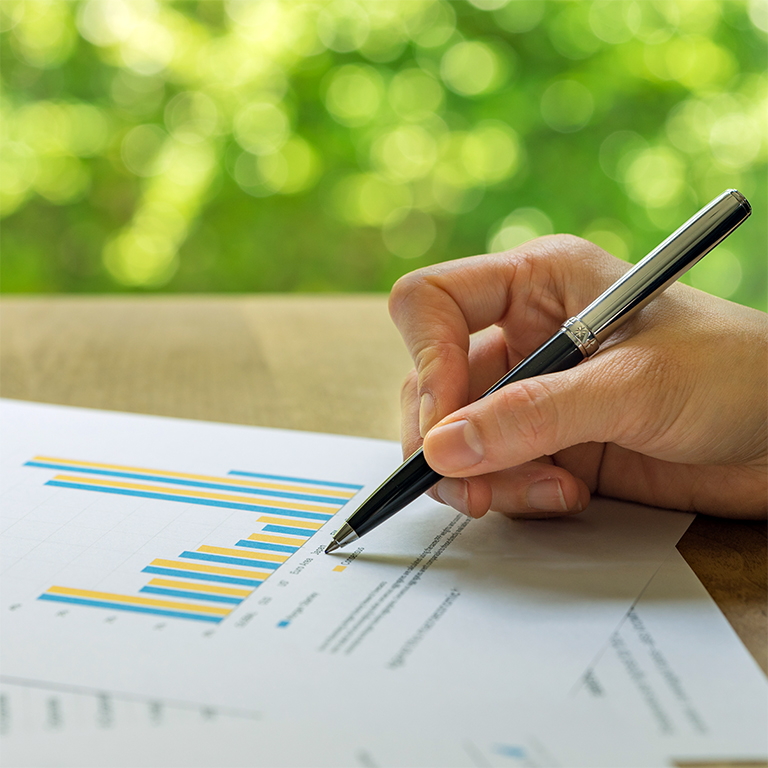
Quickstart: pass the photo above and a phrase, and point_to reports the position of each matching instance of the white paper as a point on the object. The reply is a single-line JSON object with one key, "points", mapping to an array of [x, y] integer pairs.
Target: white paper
{"points": [[432, 617], [681, 676], [606, 723]]}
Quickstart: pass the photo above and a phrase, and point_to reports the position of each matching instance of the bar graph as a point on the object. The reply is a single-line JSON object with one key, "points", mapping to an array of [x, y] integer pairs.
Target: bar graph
{"points": [[208, 582]]}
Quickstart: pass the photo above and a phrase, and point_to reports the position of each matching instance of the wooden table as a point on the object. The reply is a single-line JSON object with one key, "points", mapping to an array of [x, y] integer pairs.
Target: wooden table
{"points": [[318, 363]]}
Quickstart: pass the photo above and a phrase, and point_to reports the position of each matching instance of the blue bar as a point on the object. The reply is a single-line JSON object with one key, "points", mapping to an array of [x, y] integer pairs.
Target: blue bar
{"points": [[296, 480], [133, 608], [193, 595], [201, 576], [285, 529], [340, 500], [266, 546], [193, 500], [283, 623], [230, 560]]}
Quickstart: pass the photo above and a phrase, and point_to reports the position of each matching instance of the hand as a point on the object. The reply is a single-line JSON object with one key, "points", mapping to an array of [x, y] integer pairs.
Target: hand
{"points": [[672, 410]]}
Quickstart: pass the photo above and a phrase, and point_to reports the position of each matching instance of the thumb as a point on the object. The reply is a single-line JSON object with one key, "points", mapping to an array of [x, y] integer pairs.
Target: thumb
{"points": [[537, 417]]}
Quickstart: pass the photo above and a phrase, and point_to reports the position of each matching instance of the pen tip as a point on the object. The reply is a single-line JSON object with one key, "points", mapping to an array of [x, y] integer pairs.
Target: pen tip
{"points": [[332, 547]]}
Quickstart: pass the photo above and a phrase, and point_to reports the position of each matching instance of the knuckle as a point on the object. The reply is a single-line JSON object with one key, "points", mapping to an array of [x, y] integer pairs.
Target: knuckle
{"points": [[659, 378], [525, 415], [409, 386], [570, 246], [430, 356], [405, 290]]}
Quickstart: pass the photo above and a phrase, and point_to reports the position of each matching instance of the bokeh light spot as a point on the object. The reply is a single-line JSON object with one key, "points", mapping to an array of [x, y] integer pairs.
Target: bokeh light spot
{"points": [[87, 130], [408, 152], [44, 35], [18, 171], [519, 227], [432, 24], [656, 177], [107, 23], [414, 94], [387, 35], [409, 234], [719, 273], [617, 151], [571, 33], [294, 168], [188, 165], [520, 15], [19, 168], [140, 150], [42, 125], [261, 128], [471, 68], [354, 94], [343, 26], [694, 61], [10, 15], [491, 152], [148, 261], [735, 140], [614, 21], [758, 14], [148, 49], [368, 199], [611, 235], [191, 117], [248, 176], [489, 5], [657, 21], [62, 179], [689, 125], [567, 106]]}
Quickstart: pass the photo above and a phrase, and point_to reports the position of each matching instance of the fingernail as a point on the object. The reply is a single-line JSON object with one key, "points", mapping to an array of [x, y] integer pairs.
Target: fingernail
{"points": [[454, 447], [547, 495], [454, 493], [426, 412]]}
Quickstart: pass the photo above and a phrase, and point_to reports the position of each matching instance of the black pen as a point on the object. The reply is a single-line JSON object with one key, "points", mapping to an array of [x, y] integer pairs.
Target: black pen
{"points": [[577, 339]]}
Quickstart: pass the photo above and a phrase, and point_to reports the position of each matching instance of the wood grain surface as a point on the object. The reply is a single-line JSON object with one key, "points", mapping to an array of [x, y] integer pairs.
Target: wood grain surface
{"points": [[317, 363]]}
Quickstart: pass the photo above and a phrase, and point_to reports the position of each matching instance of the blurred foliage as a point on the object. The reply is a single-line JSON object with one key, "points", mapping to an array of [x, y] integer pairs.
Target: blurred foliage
{"points": [[282, 145]]}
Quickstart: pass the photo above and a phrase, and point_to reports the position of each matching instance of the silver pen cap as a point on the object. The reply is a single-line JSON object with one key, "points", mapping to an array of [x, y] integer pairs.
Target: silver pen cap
{"points": [[666, 263]]}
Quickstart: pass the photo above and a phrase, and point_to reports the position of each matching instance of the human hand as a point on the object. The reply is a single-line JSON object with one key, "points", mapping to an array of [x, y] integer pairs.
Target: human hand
{"points": [[672, 411]]}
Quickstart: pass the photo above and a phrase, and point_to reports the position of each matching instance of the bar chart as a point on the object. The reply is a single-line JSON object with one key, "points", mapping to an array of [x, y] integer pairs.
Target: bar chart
{"points": [[208, 582]]}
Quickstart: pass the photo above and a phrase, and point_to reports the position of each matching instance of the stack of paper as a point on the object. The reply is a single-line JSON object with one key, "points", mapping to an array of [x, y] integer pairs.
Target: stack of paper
{"points": [[166, 601]]}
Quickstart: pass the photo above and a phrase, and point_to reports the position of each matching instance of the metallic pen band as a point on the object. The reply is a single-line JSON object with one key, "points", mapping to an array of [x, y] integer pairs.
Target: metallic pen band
{"points": [[580, 334]]}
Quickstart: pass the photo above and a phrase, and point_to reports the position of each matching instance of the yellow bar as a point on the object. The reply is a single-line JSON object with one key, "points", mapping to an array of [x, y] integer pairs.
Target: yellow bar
{"points": [[176, 491], [204, 478], [131, 600], [271, 539], [291, 523], [173, 584], [210, 569], [243, 553], [339, 568]]}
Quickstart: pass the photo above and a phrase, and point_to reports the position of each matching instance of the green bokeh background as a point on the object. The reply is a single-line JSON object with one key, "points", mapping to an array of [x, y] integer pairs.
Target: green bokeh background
{"points": [[333, 146]]}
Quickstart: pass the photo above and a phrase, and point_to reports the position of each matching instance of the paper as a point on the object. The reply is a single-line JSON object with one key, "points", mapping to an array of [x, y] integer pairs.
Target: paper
{"points": [[432, 614], [679, 673], [604, 723], [643, 702]]}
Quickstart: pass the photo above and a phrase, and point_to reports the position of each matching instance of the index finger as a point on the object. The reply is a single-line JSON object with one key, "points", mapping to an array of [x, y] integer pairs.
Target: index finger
{"points": [[436, 309]]}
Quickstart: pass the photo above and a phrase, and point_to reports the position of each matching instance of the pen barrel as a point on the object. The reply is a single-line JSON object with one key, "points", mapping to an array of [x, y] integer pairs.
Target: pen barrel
{"points": [[578, 338], [665, 264], [409, 481], [412, 478]]}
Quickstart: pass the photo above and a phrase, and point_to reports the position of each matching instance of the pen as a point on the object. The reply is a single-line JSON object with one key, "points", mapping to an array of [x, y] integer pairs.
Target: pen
{"points": [[577, 339]]}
